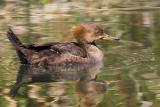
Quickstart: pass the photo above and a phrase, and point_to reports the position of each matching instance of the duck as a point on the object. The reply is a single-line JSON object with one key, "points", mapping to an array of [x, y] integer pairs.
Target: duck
{"points": [[82, 51]]}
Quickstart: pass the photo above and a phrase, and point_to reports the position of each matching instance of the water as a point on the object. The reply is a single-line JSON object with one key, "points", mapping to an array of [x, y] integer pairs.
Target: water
{"points": [[129, 78]]}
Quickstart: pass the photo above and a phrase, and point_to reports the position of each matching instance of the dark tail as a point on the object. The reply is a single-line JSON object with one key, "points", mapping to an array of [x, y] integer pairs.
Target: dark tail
{"points": [[13, 38], [18, 45]]}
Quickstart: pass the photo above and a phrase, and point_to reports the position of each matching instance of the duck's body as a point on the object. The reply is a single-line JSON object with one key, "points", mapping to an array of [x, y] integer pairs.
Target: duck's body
{"points": [[60, 54], [81, 52]]}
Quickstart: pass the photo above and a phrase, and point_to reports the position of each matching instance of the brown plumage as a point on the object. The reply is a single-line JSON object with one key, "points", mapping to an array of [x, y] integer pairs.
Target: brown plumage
{"points": [[81, 52]]}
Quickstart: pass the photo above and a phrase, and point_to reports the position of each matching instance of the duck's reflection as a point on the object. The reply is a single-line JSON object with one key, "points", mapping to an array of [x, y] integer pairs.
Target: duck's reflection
{"points": [[88, 89]]}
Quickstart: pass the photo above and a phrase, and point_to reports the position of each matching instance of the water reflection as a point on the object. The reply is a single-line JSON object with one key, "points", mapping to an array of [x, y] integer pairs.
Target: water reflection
{"points": [[87, 88], [133, 66]]}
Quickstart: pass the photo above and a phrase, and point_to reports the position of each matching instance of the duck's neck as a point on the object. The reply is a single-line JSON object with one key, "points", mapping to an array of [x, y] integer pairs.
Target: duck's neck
{"points": [[93, 52]]}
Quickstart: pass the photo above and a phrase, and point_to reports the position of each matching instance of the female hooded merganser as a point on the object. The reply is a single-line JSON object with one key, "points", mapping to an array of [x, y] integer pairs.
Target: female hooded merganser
{"points": [[84, 51]]}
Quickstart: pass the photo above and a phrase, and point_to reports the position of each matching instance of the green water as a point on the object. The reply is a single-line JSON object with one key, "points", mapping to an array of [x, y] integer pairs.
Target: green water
{"points": [[131, 73]]}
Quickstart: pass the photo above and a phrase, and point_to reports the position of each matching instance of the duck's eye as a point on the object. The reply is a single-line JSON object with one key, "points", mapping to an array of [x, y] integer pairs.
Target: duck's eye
{"points": [[99, 31]]}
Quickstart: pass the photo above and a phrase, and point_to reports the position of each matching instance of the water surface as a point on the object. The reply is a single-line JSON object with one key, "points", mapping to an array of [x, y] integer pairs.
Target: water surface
{"points": [[131, 73]]}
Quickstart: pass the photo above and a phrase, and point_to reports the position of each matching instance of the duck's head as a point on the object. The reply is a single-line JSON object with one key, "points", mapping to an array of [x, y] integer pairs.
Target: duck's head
{"points": [[89, 33]]}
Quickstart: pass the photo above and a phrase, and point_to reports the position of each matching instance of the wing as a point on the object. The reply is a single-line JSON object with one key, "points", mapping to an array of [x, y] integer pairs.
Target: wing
{"points": [[61, 48], [72, 48]]}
